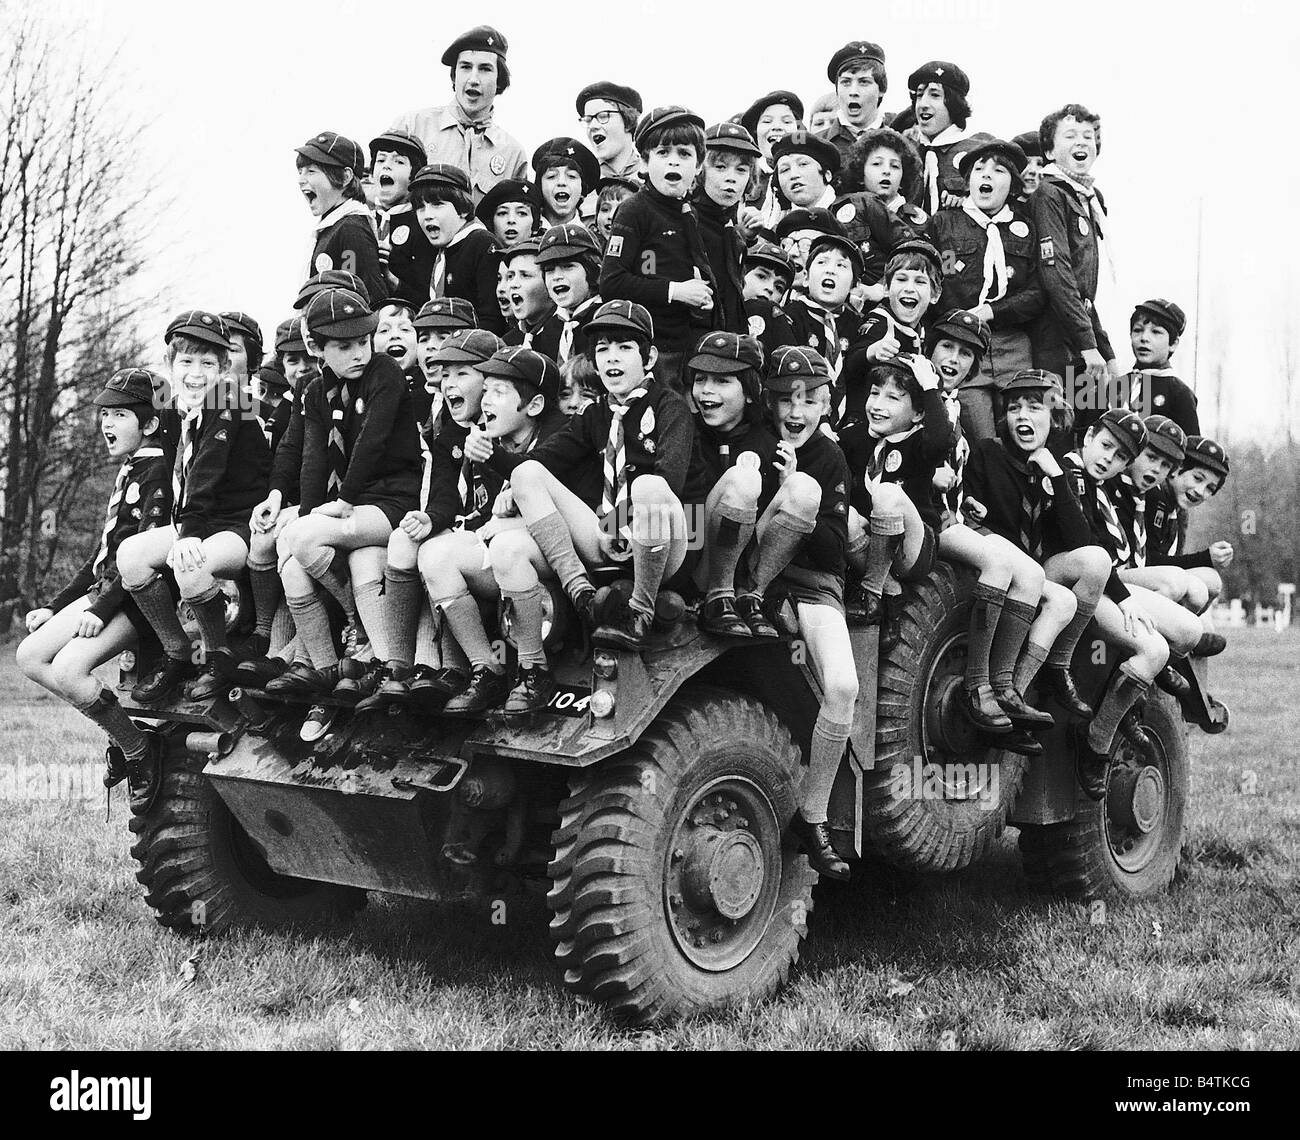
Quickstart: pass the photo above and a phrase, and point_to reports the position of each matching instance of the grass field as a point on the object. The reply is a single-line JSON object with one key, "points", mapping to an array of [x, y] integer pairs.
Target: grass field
{"points": [[975, 961]]}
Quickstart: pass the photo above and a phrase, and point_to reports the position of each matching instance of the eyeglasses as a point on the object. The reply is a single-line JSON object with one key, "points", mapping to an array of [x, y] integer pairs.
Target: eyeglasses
{"points": [[601, 117]]}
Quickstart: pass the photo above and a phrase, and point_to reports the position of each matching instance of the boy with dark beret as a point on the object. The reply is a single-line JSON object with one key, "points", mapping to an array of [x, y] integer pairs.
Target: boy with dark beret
{"points": [[858, 72]]}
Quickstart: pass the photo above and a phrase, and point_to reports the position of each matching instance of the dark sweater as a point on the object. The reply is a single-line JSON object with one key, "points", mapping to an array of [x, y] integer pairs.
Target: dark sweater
{"points": [[472, 276], [350, 244], [725, 249], [229, 471]]}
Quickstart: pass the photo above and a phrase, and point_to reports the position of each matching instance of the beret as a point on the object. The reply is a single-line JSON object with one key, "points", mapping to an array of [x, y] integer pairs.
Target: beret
{"points": [[1030, 143], [804, 142], [809, 218], [749, 118], [481, 38], [939, 71], [612, 93], [852, 53], [508, 190], [1008, 151], [567, 152]]}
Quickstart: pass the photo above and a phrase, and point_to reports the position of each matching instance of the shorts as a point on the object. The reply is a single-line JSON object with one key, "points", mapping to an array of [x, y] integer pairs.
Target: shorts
{"points": [[396, 496], [234, 524], [924, 560], [814, 587]]}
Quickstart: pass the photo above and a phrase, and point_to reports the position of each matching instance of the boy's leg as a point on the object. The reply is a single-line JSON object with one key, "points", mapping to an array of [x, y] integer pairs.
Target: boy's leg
{"points": [[403, 600], [977, 421], [964, 545], [310, 620], [37, 651], [785, 525], [224, 556], [1085, 571], [1055, 612], [140, 560], [264, 573], [366, 565], [1171, 581], [1180, 627], [448, 565], [830, 653], [565, 529], [730, 513]]}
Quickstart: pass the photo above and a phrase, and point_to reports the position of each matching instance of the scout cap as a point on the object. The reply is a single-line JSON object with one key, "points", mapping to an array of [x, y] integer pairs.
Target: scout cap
{"points": [[730, 136], [201, 326], [339, 314], [127, 387], [749, 118], [809, 218], [792, 366], [440, 175], [1166, 438], [467, 346], [565, 151], [726, 353], [1036, 380], [528, 246], [524, 366], [331, 278], [615, 180], [859, 51], [765, 253], [803, 142], [446, 313], [569, 241], [939, 71], [1011, 154], [1164, 313], [922, 247], [237, 322], [480, 38], [288, 336], [402, 142], [663, 117], [965, 327], [843, 244], [508, 190], [620, 318], [1126, 427], [330, 149], [397, 303], [615, 93], [1030, 144], [272, 378], [1204, 452]]}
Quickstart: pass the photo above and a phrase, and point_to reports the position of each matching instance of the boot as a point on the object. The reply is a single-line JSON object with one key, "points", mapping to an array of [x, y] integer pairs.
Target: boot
{"points": [[1022, 743], [258, 672], [144, 774], [217, 677], [815, 842], [1057, 682], [1174, 683], [357, 680], [720, 617], [533, 691], [861, 607], [1210, 645], [115, 766], [1023, 714], [984, 712], [629, 631], [390, 686], [428, 693], [300, 679], [1091, 767], [750, 609], [163, 679], [486, 690]]}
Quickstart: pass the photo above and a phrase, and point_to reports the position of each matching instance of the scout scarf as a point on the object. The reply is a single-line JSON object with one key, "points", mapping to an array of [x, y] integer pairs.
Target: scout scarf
{"points": [[1031, 509], [1138, 555], [880, 452], [1109, 516], [477, 126], [571, 321], [614, 493], [1086, 188], [438, 285], [950, 134], [181, 473], [115, 500], [336, 453], [995, 256]]}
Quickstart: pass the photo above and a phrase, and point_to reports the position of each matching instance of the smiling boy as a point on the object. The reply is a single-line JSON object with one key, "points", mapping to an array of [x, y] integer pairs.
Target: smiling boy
{"points": [[939, 90], [510, 210], [768, 120]]}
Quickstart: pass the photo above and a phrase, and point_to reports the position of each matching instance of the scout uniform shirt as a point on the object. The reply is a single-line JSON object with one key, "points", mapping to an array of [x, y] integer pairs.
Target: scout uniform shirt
{"points": [[486, 152], [941, 158], [345, 239], [873, 228], [983, 266], [825, 546], [655, 241], [1159, 391], [467, 269], [286, 461], [1002, 494], [908, 458], [719, 451], [769, 324], [543, 335], [405, 252], [1102, 517], [830, 334], [1166, 530], [141, 500], [223, 464], [850, 402]]}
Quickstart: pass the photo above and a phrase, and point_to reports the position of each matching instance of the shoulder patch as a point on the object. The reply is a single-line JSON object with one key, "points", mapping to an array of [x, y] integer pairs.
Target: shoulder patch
{"points": [[132, 493], [615, 247], [323, 262], [1046, 250]]}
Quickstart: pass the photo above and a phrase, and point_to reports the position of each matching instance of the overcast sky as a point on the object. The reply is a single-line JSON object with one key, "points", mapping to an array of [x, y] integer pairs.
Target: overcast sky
{"points": [[1194, 98]]}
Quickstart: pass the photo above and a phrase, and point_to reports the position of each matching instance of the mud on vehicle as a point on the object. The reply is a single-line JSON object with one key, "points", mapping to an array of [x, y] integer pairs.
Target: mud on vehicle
{"points": [[653, 797]]}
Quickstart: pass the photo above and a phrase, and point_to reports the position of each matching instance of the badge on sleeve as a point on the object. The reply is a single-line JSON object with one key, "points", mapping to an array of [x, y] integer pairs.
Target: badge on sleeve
{"points": [[649, 445], [497, 165], [648, 421], [338, 415], [400, 235], [1159, 520], [846, 213], [1046, 250], [893, 461], [1018, 228], [323, 262], [615, 247], [221, 435], [133, 493], [1083, 226]]}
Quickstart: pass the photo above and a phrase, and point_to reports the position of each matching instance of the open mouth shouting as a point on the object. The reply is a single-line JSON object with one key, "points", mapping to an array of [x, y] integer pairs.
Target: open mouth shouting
{"points": [[950, 373], [563, 200], [1026, 436], [313, 203], [560, 292], [397, 350], [853, 108], [511, 234], [924, 114], [908, 303], [597, 137], [386, 182], [796, 429], [886, 184], [517, 305]]}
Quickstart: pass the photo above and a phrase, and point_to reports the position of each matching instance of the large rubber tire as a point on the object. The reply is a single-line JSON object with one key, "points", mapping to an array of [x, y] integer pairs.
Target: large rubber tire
{"points": [[657, 916], [915, 717], [201, 871], [1104, 852]]}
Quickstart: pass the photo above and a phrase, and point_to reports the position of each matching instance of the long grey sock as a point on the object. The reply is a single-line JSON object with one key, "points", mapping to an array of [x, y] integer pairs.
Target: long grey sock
{"points": [[1032, 660], [782, 537], [855, 554], [282, 631], [984, 615], [453, 656], [1063, 647], [107, 713], [886, 538], [462, 615], [649, 560], [426, 637], [154, 600], [1012, 630], [1122, 694], [824, 756], [314, 632], [210, 612], [730, 530], [403, 601], [322, 570], [370, 609], [556, 544], [267, 592], [528, 623]]}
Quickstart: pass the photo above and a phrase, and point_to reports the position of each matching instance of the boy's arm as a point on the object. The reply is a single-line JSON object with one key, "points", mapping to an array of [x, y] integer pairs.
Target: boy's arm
{"points": [[1052, 215], [81, 582], [558, 452], [937, 435], [675, 436], [286, 471], [383, 396], [207, 474], [443, 503], [1071, 524], [625, 274], [354, 247]]}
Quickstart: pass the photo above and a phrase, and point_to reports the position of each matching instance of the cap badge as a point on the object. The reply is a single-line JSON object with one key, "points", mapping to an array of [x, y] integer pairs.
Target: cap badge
{"points": [[491, 40], [938, 71], [347, 309], [207, 320], [720, 342]]}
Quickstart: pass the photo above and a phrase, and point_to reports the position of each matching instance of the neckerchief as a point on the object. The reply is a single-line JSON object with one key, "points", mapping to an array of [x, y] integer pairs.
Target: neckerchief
{"points": [[475, 126], [614, 492], [571, 321], [531, 331], [1109, 516], [438, 283], [336, 453], [1139, 552], [995, 256], [950, 134], [872, 478], [1031, 508], [348, 208], [858, 132], [185, 456], [1088, 192]]}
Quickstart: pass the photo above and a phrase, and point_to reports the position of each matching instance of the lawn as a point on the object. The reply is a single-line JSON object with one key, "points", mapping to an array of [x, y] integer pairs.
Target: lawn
{"points": [[974, 961]]}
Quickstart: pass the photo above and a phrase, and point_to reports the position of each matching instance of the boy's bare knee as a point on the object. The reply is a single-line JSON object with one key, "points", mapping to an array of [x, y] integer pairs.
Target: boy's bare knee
{"points": [[803, 495], [650, 489], [740, 486], [841, 689]]}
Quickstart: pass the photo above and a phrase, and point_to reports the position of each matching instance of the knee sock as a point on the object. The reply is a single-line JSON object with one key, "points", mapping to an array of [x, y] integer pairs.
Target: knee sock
{"points": [[210, 612], [322, 569], [784, 534], [282, 631], [462, 615], [649, 559], [1027, 667], [154, 600], [1122, 694], [886, 537], [107, 713], [300, 654], [528, 624], [402, 614], [985, 612], [426, 638], [370, 609], [453, 656], [855, 556], [556, 544], [1063, 647], [729, 533], [824, 756], [267, 592], [1017, 617], [314, 631]]}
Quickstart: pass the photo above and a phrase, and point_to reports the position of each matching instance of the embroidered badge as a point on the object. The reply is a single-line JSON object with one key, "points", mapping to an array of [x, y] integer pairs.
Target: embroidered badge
{"points": [[221, 435], [456, 452], [1046, 250], [497, 165], [812, 341], [757, 326], [155, 512], [893, 461], [648, 421], [615, 248], [400, 235], [1011, 272], [1018, 228], [846, 213], [1083, 226], [135, 512], [1159, 520], [133, 493], [338, 414], [1159, 401], [958, 266], [649, 445], [323, 262], [839, 488]]}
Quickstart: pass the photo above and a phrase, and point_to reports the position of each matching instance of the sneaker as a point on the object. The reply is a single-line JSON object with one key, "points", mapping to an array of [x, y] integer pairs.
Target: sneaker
{"points": [[144, 774], [319, 720], [351, 637], [532, 692], [217, 677], [815, 842], [162, 680], [719, 616], [486, 690], [750, 609]]}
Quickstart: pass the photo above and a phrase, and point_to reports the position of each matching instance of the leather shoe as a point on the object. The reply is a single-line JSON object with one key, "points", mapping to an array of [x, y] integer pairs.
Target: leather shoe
{"points": [[486, 690], [1022, 743], [861, 607], [1058, 682], [719, 616], [630, 631], [217, 676], [435, 688], [258, 672], [1174, 683], [114, 766], [357, 680], [1092, 767], [300, 679], [815, 842], [1021, 712], [144, 774], [750, 609], [163, 679], [984, 712], [388, 686], [1210, 645], [533, 691]]}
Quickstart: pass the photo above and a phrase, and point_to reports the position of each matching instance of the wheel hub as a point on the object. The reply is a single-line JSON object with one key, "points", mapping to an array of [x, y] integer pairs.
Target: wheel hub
{"points": [[724, 871], [947, 725], [1136, 798]]}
